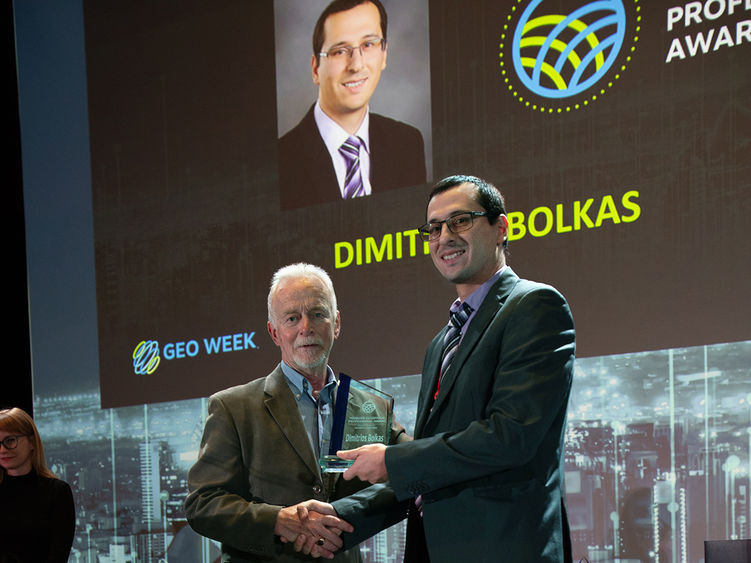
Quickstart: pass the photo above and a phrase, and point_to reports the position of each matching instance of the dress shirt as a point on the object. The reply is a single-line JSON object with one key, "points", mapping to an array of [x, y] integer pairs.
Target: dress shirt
{"points": [[317, 414], [334, 136], [475, 298]]}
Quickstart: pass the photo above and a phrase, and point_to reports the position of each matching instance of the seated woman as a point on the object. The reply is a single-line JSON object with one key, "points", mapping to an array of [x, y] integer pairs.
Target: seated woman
{"points": [[37, 517]]}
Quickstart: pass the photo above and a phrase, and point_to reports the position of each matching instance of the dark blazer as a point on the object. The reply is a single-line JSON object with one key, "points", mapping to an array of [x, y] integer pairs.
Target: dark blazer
{"points": [[256, 458], [306, 174], [487, 456]]}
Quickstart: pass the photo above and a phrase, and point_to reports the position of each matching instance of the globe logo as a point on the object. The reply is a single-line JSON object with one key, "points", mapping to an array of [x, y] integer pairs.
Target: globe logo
{"points": [[368, 407], [146, 357], [559, 55]]}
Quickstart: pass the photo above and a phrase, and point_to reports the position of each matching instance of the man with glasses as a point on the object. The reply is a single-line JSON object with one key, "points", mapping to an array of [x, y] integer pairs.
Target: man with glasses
{"points": [[340, 150], [483, 478]]}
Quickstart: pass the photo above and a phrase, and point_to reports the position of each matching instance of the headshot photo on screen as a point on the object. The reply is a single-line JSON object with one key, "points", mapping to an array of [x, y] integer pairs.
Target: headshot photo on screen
{"points": [[353, 98]]}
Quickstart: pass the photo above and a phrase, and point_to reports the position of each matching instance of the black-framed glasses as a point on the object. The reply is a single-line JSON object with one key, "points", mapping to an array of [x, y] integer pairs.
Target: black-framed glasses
{"points": [[11, 442], [456, 224], [341, 53]]}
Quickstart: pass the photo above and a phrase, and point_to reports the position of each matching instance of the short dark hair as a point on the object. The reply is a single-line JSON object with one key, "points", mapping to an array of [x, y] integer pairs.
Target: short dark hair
{"points": [[342, 6], [487, 195]]}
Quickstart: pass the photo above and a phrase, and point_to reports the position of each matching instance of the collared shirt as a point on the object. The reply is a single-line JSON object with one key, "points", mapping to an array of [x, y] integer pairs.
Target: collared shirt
{"points": [[476, 298], [334, 136], [317, 415]]}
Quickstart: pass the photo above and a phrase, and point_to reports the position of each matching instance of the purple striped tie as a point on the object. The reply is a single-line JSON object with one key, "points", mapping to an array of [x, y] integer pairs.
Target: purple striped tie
{"points": [[350, 150], [451, 340]]}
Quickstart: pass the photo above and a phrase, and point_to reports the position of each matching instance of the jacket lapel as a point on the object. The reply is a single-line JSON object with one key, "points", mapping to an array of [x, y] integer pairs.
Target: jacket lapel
{"points": [[489, 308], [283, 409], [430, 372], [322, 185]]}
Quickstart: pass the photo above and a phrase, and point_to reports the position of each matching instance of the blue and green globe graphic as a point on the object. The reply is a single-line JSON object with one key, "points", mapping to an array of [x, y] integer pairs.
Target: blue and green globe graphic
{"points": [[146, 357], [559, 55]]}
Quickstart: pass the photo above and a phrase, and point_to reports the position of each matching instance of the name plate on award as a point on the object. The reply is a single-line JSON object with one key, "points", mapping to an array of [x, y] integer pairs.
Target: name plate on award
{"points": [[362, 415]]}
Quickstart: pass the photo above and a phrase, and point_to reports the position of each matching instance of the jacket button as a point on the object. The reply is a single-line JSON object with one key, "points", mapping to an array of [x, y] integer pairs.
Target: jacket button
{"points": [[317, 489]]}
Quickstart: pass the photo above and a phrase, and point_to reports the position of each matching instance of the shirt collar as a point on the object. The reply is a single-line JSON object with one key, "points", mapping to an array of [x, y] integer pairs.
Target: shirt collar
{"points": [[296, 379], [332, 133], [476, 298]]}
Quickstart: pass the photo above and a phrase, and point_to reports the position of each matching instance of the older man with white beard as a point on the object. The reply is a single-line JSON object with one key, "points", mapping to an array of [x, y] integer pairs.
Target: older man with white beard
{"points": [[257, 470]]}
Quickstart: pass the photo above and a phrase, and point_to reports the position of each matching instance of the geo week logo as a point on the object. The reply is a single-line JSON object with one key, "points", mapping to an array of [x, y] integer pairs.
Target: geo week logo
{"points": [[558, 56], [147, 357]]}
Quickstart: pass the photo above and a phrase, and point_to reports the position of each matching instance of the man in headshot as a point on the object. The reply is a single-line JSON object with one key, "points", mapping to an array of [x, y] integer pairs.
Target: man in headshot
{"points": [[483, 477], [341, 150], [257, 471]]}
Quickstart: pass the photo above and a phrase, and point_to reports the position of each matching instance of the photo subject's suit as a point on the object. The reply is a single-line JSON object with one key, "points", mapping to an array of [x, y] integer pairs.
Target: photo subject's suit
{"points": [[306, 174], [487, 459], [256, 458]]}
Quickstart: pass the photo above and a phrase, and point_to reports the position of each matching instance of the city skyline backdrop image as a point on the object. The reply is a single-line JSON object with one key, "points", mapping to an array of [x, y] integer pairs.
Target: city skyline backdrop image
{"points": [[656, 461]]}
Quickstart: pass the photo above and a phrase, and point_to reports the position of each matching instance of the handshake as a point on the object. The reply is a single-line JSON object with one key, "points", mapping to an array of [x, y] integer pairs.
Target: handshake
{"points": [[312, 527]]}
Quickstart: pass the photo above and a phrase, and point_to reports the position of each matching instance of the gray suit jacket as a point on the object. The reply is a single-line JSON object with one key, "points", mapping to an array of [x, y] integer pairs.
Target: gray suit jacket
{"points": [[487, 455], [255, 458]]}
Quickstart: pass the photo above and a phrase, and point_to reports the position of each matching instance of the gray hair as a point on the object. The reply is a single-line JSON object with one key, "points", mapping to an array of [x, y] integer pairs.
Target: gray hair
{"points": [[296, 271]]}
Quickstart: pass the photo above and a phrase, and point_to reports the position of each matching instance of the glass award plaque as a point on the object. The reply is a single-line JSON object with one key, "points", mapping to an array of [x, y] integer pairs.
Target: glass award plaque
{"points": [[362, 415]]}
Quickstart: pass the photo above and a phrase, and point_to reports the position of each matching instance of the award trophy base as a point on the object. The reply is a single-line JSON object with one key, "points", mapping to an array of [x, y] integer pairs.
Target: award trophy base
{"points": [[334, 464]]}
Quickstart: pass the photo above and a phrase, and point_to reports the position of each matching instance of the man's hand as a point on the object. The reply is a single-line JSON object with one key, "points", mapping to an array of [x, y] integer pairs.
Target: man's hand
{"points": [[370, 463], [312, 540], [313, 527]]}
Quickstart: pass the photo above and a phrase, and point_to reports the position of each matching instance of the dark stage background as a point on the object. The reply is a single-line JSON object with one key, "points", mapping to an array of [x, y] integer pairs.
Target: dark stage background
{"points": [[187, 227]]}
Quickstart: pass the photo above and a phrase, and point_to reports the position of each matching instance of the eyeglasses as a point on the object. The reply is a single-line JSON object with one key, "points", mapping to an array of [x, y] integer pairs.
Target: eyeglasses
{"points": [[456, 223], [11, 442], [367, 48]]}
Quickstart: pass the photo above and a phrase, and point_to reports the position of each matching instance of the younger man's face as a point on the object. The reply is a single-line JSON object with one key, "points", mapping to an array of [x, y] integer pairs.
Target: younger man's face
{"points": [[345, 87]]}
